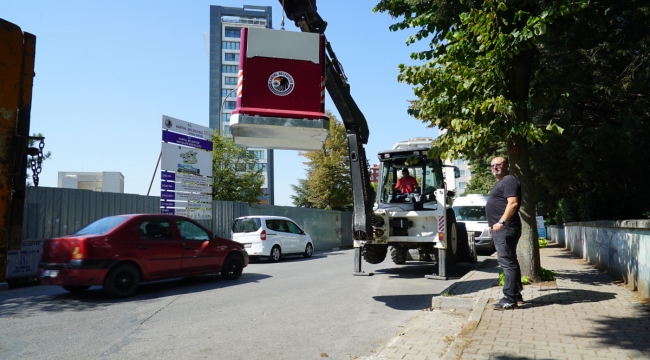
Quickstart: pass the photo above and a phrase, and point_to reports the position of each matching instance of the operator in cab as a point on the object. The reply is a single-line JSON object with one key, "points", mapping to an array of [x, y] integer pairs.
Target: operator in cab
{"points": [[406, 185]]}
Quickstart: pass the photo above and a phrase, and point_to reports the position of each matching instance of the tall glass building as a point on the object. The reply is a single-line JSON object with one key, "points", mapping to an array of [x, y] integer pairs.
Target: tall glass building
{"points": [[225, 26]]}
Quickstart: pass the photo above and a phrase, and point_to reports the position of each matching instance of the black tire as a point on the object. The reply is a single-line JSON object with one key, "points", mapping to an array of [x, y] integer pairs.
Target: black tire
{"points": [[276, 254], [309, 251], [75, 288], [232, 268], [398, 255], [463, 253], [374, 253], [452, 239], [122, 281]]}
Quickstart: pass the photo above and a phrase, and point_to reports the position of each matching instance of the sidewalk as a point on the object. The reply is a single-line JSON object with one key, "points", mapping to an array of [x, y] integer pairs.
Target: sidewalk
{"points": [[583, 315]]}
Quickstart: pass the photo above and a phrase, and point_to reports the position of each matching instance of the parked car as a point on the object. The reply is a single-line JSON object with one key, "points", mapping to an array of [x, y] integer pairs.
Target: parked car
{"points": [[120, 252], [470, 209], [271, 237]]}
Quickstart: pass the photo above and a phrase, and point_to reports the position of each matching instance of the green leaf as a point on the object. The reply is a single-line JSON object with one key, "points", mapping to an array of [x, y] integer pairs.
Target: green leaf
{"points": [[503, 7], [555, 128]]}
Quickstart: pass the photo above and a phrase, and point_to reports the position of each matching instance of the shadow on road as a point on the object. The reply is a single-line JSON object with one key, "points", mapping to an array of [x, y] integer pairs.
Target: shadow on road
{"points": [[406, 302], [21, 304]]}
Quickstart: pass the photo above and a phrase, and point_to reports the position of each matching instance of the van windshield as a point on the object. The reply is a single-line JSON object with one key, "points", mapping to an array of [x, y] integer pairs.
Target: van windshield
{"points": [[245, 225], [471, 213]]}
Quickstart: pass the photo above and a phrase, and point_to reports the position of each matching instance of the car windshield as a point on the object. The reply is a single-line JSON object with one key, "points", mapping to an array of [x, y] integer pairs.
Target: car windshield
{"points": [[102, 226], [245, 225], [471, 213]]}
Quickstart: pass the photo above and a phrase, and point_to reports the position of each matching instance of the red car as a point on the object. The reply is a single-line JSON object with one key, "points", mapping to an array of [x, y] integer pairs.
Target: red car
{"points": [[120, 252]]}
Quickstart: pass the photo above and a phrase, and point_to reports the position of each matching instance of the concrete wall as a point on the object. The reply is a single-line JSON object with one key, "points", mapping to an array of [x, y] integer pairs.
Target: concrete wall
{"points": [[619, 248], [556, 233]]}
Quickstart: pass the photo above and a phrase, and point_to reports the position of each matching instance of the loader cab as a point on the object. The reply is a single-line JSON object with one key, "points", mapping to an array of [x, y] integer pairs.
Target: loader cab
{"points": [[427, 172]]}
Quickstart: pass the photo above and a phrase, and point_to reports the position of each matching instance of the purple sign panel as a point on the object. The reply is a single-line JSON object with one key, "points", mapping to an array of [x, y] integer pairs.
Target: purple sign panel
{"points": [[165, 175], [167, 211], [180, 139], [167, 203], [166, 185], [167, 195]]}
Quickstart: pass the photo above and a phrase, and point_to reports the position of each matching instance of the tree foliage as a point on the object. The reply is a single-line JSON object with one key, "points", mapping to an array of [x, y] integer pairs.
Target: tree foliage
{"points": [[328, 184], [300, 198], [235, 177], [476, 82]]}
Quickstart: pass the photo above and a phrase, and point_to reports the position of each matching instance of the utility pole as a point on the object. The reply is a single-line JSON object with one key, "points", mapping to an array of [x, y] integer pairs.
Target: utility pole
{"points": [[17, 51]]}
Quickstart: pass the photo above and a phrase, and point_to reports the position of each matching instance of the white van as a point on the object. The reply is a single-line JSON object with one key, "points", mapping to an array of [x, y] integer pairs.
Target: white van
{"points": [[271, 237], [470, 209]]}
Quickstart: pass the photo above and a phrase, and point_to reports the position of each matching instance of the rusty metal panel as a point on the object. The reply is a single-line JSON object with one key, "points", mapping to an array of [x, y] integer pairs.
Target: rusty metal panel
{"points": [[51, 212]]}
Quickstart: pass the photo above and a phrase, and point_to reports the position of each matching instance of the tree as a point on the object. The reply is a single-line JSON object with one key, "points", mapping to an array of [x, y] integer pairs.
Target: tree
{"points": [[328, 185], [482, 179], [301, 194], [236, 174], [476, 83]]}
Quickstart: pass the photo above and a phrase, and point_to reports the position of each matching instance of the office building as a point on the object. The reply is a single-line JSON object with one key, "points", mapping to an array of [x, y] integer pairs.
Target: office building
{"points": [[105, 181], [225, 27]]}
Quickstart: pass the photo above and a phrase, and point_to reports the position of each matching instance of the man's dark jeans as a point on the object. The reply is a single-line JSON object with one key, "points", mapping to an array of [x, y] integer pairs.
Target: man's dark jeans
{"points": [[505, 241]]}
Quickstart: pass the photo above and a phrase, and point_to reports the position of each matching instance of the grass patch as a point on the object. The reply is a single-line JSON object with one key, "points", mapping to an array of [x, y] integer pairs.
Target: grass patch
{"points": [[542, 242], [447, 293], [547, 275]]}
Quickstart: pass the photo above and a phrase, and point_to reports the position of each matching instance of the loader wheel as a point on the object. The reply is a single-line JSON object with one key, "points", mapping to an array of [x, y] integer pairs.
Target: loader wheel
{"points": [[398, 255], [463, 253], [374, 253], [452, 239]]}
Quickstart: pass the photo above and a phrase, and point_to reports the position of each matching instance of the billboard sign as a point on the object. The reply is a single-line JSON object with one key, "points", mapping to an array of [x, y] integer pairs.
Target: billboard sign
{"points": [[186, 169]]}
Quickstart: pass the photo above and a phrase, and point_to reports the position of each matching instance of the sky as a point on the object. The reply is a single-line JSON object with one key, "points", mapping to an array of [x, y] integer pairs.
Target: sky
{"points": [[106, 72]]}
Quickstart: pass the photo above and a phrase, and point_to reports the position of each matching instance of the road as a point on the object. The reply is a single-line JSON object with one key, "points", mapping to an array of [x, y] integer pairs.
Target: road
{"points": [[294, 309]]}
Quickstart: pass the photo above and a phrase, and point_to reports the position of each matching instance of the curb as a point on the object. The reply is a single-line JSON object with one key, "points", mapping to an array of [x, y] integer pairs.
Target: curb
{"points": [[462, 339]]}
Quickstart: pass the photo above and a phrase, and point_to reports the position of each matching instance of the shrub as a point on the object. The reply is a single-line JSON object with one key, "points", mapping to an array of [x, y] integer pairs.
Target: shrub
{"points": [[548, 275], [502, 279], [542, 242]]}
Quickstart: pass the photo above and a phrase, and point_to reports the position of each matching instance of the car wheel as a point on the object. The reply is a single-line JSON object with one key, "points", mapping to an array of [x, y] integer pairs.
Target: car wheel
{"points": [[122, 281], [76, 288], [232, 267], [276, 253], [309, 251]]}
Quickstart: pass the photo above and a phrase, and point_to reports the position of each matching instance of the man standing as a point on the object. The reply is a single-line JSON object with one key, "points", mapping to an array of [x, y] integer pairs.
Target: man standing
{"points": [[502, 211]]}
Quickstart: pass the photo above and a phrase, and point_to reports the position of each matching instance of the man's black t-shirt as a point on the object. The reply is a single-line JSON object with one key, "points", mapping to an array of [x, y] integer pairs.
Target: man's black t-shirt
{"points": [[496, 205]]}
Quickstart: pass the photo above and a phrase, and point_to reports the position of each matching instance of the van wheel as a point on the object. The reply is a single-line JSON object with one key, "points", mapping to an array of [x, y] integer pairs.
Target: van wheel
{"points": [[122, 281], [276, 254], [232, 267], [76, 288], [309, 251]]}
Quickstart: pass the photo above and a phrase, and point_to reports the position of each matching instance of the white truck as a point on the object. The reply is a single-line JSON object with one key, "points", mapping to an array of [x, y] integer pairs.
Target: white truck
{"points": [[470, 210]]}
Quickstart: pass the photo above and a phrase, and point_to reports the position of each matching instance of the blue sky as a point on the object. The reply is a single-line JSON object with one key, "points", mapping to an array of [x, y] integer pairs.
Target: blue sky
{"points": [[106, 72]]}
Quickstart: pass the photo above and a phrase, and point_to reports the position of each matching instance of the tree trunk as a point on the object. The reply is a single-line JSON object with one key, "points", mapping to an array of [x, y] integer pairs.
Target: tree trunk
{"points": [[528, 248]]}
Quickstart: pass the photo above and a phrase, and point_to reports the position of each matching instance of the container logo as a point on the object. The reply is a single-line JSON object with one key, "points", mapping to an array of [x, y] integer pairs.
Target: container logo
{"points": [[281, 83]]}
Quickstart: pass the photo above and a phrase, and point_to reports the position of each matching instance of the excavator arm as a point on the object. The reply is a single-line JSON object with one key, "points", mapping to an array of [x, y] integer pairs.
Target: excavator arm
{"points": [[306, 17]]}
